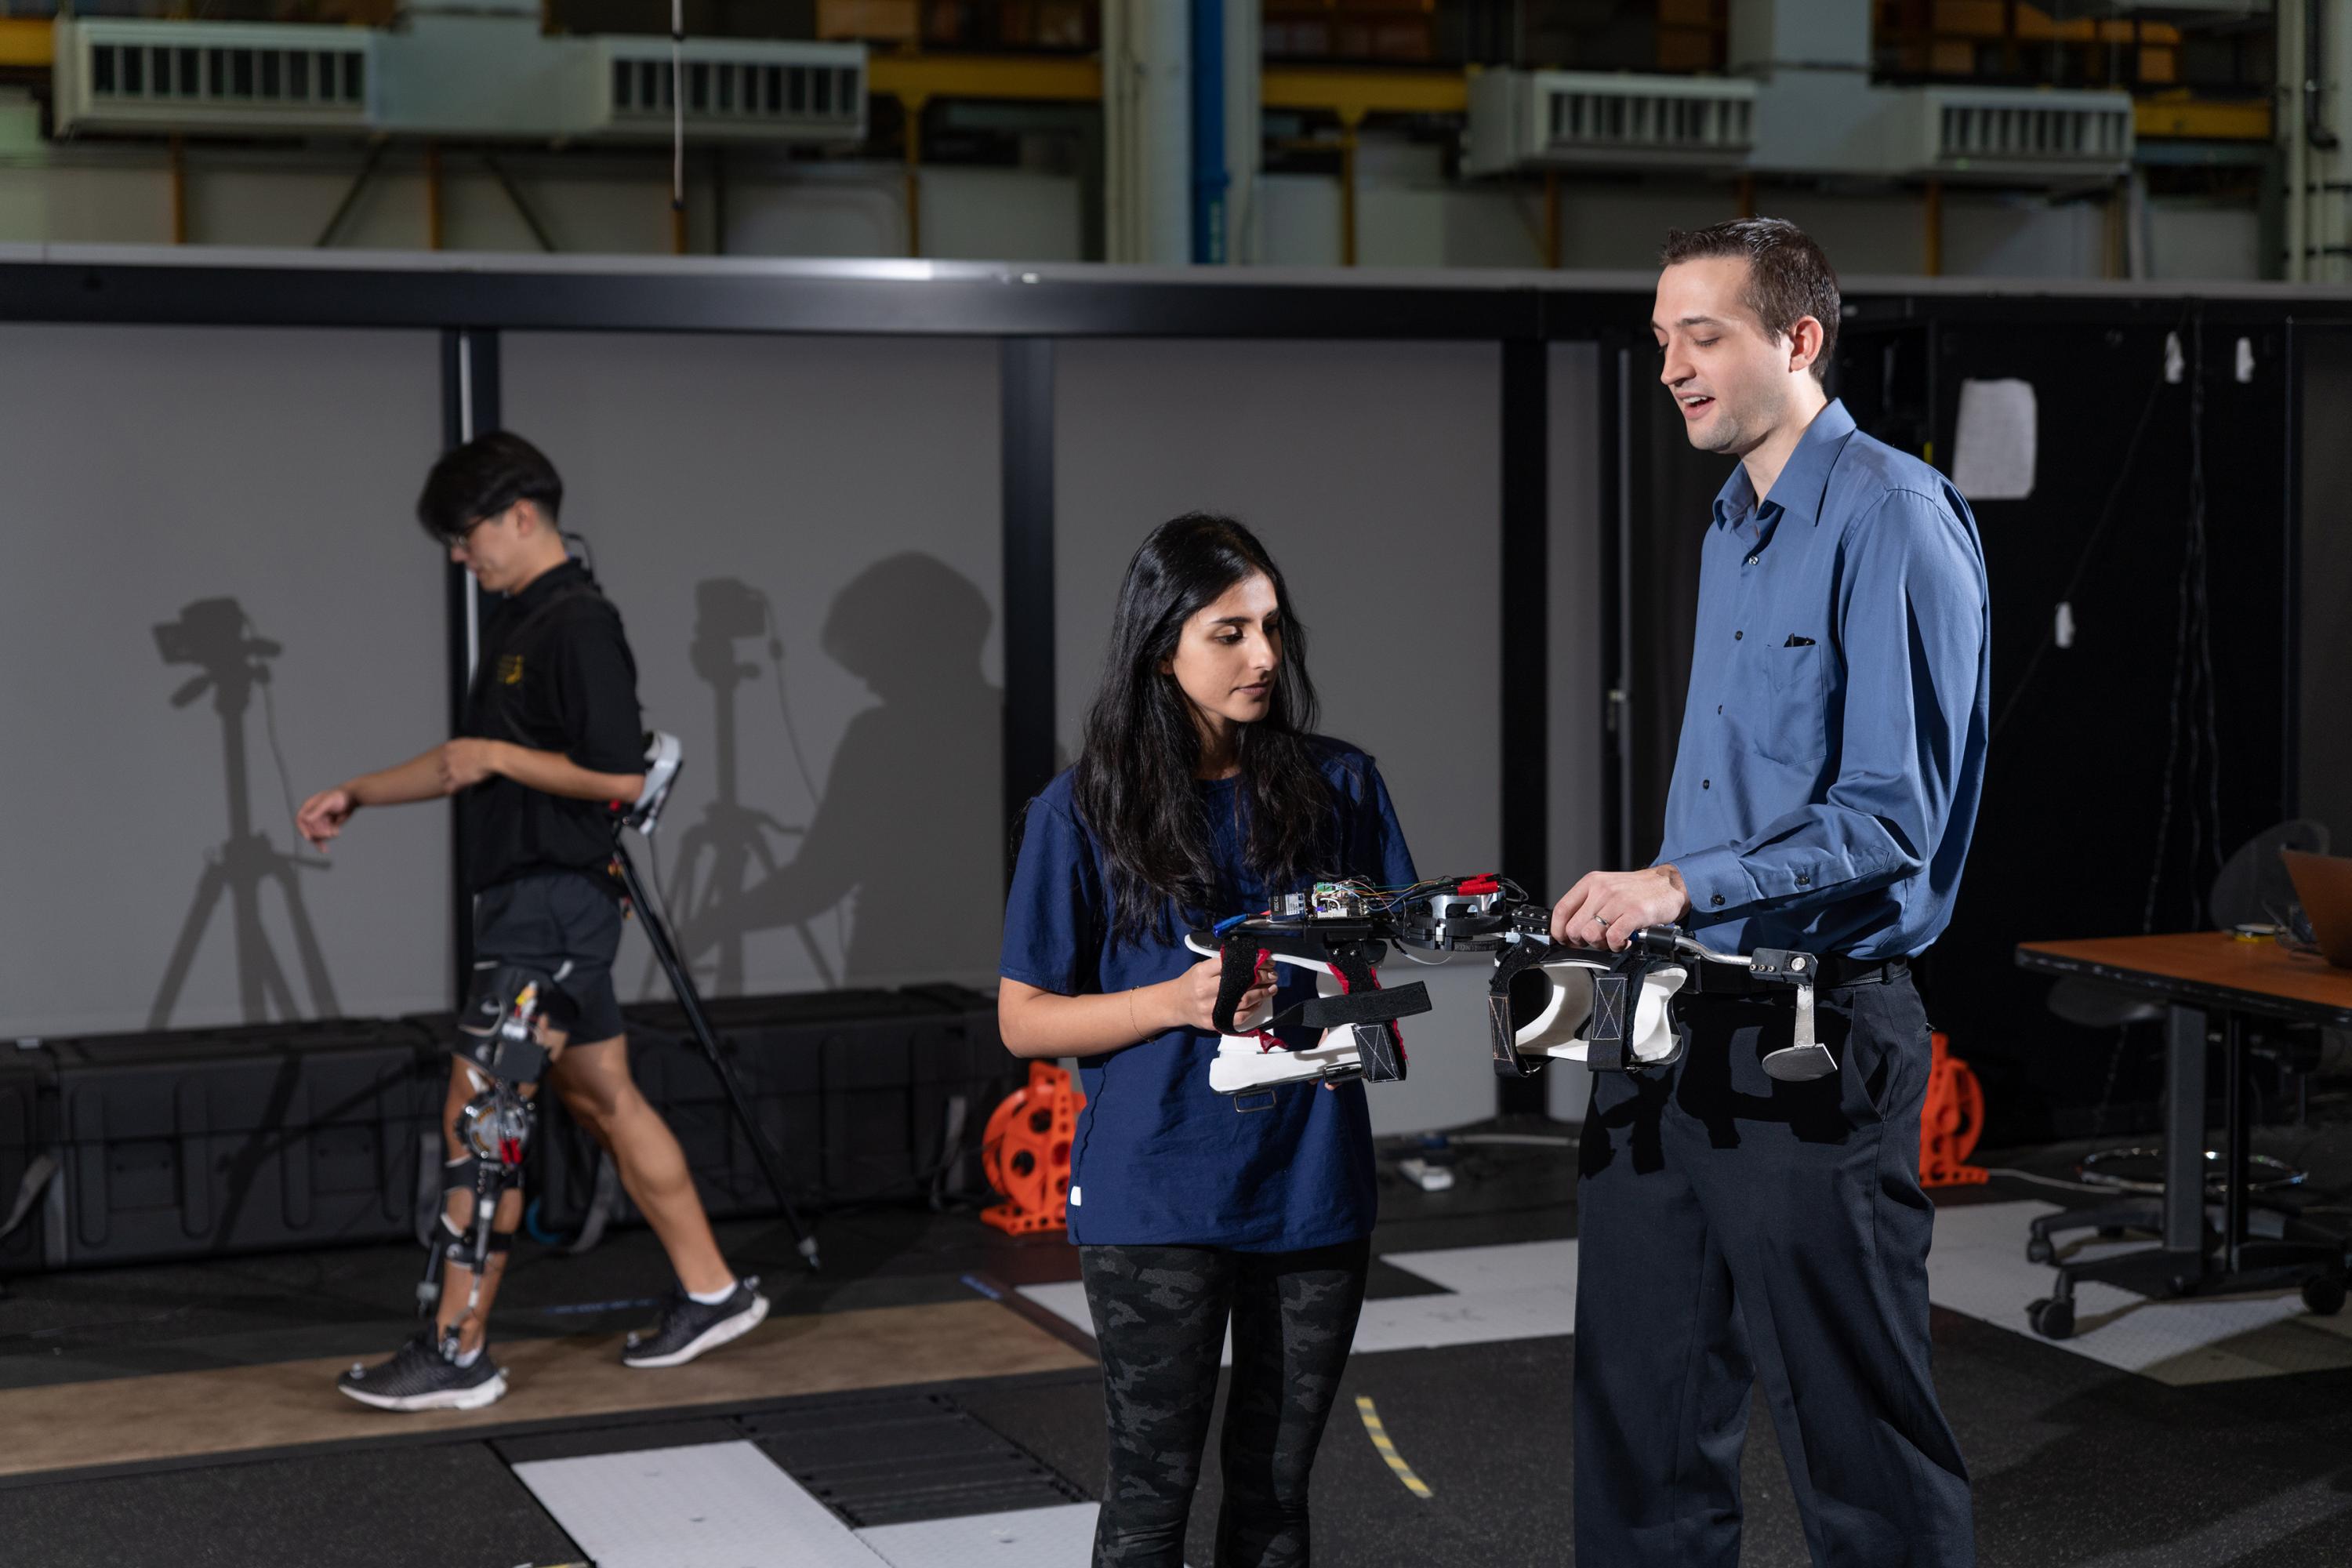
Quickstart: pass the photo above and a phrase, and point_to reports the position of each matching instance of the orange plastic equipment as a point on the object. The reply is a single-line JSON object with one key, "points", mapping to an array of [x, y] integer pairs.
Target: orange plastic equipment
{"points": [[1949, 1121], [1025, 1153]]}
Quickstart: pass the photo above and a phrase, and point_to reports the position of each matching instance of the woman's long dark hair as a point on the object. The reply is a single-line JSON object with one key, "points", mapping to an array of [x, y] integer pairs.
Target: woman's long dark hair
{"points": [[1134, 780]]}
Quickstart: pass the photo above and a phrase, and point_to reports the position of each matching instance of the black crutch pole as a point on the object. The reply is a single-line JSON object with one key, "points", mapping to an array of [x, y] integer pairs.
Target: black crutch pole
{"points": [[690, 1000]]}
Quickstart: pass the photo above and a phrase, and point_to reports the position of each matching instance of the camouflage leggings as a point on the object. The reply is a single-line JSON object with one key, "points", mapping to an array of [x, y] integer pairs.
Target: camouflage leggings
{"points": [[1159, 1318]]}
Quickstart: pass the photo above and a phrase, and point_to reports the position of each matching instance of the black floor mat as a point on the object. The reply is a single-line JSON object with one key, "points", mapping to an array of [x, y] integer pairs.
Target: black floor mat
{"points": [[907, 1457], [454, 1505]]}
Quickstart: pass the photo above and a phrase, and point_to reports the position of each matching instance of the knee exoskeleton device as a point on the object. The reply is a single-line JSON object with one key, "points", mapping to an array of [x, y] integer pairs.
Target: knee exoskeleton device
{"points": [[498, 1041], [1610, 1012], [1355, 1020]]}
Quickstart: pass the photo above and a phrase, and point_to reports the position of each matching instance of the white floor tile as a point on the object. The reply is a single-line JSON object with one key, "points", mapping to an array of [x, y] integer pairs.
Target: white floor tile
{"points": [[713, 1505], [1029, 1538]]}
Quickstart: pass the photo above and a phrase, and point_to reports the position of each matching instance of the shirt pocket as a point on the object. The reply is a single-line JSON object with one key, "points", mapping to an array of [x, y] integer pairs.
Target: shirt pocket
{"points": [[1793, 725]]}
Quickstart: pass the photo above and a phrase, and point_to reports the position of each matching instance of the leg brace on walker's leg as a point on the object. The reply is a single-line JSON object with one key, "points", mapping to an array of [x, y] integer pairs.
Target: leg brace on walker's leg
{"points": [[501, 1054]]}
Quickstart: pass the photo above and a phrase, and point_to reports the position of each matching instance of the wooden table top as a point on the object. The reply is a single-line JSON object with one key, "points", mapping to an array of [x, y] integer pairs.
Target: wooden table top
{"points": [[2213, 967]]}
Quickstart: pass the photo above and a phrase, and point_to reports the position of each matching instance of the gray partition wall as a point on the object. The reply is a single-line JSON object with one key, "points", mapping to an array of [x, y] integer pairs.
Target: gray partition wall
{"points": [[1575, 620], [217, 602], [918, 481], [803, 536], [1371, 470]]}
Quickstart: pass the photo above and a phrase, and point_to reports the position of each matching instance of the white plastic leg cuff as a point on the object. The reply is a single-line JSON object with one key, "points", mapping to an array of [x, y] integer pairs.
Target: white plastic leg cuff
{"points": [[1559, 1030]]}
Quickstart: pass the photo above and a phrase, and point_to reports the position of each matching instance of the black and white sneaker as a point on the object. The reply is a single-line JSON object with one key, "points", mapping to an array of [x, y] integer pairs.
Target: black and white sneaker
{"points": [[417, 1376], [688, 1328]]}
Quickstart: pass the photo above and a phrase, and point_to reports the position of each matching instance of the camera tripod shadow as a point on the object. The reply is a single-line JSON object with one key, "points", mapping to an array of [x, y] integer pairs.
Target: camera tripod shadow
{"points": [[907, 823], [731, 842], [218, 638]]}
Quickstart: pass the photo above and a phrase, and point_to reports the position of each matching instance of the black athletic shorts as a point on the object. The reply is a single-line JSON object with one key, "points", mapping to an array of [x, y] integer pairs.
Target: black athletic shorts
{"points": [[550, 920]]}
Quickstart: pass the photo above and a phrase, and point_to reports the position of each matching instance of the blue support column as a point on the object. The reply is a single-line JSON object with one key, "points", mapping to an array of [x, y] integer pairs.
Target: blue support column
{"points": [[1210, 175]]}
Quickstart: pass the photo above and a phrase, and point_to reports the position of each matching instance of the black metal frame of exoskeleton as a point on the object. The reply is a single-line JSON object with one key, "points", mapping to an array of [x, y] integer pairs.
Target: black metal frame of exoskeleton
{"points": [[501, 1053]]}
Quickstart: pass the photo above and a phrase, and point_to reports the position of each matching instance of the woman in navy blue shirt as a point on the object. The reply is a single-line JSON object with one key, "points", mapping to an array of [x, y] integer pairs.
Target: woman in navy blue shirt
{"points": [[1199, 791]]}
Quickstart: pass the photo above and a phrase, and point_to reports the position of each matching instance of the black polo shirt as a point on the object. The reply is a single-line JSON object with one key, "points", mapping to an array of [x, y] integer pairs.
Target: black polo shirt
{"points": [[555, 675]]}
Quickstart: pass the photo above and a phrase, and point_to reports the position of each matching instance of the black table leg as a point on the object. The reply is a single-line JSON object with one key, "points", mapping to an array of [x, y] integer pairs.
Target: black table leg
{"points": [[2184, 1132], [2233, 1212]]}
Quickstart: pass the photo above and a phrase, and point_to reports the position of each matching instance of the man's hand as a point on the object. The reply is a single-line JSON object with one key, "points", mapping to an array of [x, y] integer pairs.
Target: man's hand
{"points": [[466, 762], [1606, 908], [1196, 993], [324, 815]]}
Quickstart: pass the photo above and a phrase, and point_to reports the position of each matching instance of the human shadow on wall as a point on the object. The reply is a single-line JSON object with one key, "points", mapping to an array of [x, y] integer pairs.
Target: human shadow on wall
{"points": [[232, 661], [909, 823]]}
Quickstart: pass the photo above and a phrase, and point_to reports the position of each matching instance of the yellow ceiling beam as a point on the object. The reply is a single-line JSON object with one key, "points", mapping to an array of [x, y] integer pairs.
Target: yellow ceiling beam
{"points": [[2169, 118], [1353, 94], [26, 41], [1030, 78]]}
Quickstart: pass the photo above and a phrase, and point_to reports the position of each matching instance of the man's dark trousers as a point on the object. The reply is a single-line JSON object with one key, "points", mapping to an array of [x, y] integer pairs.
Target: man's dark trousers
{"points": [[1732, 1229]]}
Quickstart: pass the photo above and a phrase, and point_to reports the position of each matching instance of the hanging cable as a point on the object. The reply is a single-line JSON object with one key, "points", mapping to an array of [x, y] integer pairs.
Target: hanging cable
{"points": [[677, 123], [270, 724], [2191, 727], [2124, 471]]}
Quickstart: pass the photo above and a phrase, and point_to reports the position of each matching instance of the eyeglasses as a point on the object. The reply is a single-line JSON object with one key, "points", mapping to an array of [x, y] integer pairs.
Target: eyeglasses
{"points": [[458, 540]]}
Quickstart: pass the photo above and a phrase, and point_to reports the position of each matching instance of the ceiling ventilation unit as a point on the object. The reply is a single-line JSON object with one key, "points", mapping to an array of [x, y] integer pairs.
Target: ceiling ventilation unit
{"points": [[138, 76], [1979, 132], [482, 71], [1567, 118], [748, 90], [1801, 101]]}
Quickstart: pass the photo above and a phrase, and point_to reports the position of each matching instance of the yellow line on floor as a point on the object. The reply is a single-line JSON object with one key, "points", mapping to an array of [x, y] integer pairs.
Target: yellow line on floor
{"points": [[1372, 1416], [288, 1403]]}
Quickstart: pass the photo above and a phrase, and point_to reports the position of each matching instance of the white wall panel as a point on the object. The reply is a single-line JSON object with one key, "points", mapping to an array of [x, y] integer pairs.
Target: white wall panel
{"points": [[252, 490]]}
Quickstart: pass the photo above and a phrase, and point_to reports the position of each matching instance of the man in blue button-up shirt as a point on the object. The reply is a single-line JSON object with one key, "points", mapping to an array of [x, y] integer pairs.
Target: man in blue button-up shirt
{"points": [[1733, 1227]]}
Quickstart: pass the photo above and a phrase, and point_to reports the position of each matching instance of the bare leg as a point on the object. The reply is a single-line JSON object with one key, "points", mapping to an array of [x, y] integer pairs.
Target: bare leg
{"points": [[594, 1082]]}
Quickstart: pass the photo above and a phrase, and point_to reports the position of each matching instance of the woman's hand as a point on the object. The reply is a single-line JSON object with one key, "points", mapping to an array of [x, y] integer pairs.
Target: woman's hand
{"points": [[1195, 997]]}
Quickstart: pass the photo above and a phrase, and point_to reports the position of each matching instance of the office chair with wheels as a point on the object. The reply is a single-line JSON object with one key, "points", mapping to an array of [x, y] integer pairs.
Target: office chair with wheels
{"points": [[2252, 887]]}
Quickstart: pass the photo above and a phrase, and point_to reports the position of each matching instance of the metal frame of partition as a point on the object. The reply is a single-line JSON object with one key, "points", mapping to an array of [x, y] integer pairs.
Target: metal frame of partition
{"points": [[471, 301]]}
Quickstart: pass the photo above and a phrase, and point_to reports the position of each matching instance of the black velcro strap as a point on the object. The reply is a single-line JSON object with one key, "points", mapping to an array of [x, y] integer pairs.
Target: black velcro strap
{"points": [[1613, 997], [1377, 1045], [497, 988], [464, 1176], [1382, 1051], [1240, 955], [1502, 1037], [1502, 1040], [1356, 1007], [459, 1248], [514, 1061]]}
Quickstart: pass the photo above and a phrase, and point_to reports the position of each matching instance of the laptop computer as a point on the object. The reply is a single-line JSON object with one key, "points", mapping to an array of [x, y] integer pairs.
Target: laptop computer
{"points": [[2323, 885]]}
